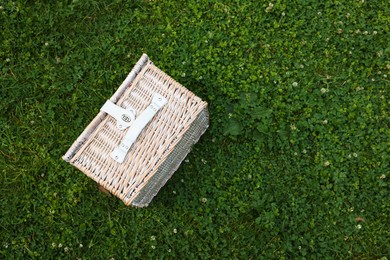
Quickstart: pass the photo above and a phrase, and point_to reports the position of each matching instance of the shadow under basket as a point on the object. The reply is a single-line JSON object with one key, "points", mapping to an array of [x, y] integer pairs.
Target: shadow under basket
{"points": [[141, 135]]}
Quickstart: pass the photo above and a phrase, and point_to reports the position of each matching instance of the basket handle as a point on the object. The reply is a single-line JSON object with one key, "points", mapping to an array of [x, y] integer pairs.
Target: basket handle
{"points": [[136, 128]]}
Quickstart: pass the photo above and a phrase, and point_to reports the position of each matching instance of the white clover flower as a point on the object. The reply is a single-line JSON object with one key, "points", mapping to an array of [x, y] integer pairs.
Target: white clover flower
{"points": [[187, 160], [7, 59], [351, 209], [153, 247], [348, 15], [46, 44], [382, 176], [152, 238], [324, 90], [81, 245], [304, 151], [203, 161], [269, 8], [374, 32], [6, 245], [174, 192], [295, 84], [66, 249], [324, 122], [326, 164], [295, 154], [169, 250], [1, 7], [204, 200], [299, 247], [355, 155], [53, 244], [230, 115], [59, 245], [183, 74], [358, 226], [365, 32], [283, 14], [293, 127], [175, 230]]}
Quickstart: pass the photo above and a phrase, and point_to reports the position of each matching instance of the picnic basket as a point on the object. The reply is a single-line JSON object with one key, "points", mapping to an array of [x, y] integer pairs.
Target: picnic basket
{"points": [[141, 135]]}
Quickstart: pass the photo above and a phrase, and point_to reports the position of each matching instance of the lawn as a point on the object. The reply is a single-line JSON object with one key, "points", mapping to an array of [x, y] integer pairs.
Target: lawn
{"points": [[295, 163]]}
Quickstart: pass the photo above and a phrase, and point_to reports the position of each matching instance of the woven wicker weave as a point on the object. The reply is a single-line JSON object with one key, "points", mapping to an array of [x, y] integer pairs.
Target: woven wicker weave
{"points": [[160, 147]]}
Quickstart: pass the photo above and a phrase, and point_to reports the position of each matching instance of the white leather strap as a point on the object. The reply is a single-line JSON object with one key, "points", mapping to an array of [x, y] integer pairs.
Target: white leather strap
{"points": [[136, 128], [124, 117]]}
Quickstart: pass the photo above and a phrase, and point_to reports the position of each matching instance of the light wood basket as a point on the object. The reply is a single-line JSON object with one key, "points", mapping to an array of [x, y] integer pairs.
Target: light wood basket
{"points": [[160, 147]]}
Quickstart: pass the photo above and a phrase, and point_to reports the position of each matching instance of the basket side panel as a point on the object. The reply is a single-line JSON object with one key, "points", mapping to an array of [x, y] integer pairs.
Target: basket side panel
{"points": [[173, 160]]}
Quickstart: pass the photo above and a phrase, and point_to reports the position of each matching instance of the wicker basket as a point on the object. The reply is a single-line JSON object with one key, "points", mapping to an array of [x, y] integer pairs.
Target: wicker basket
{"points": [[141, 135]]}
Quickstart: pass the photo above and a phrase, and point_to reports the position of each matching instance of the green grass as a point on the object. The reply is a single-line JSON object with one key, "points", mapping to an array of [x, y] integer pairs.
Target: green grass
{"points": [[298, 145]]}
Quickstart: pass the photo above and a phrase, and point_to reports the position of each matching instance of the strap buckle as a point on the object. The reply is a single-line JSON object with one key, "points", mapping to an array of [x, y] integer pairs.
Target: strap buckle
{"points": [[124, 117]]}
